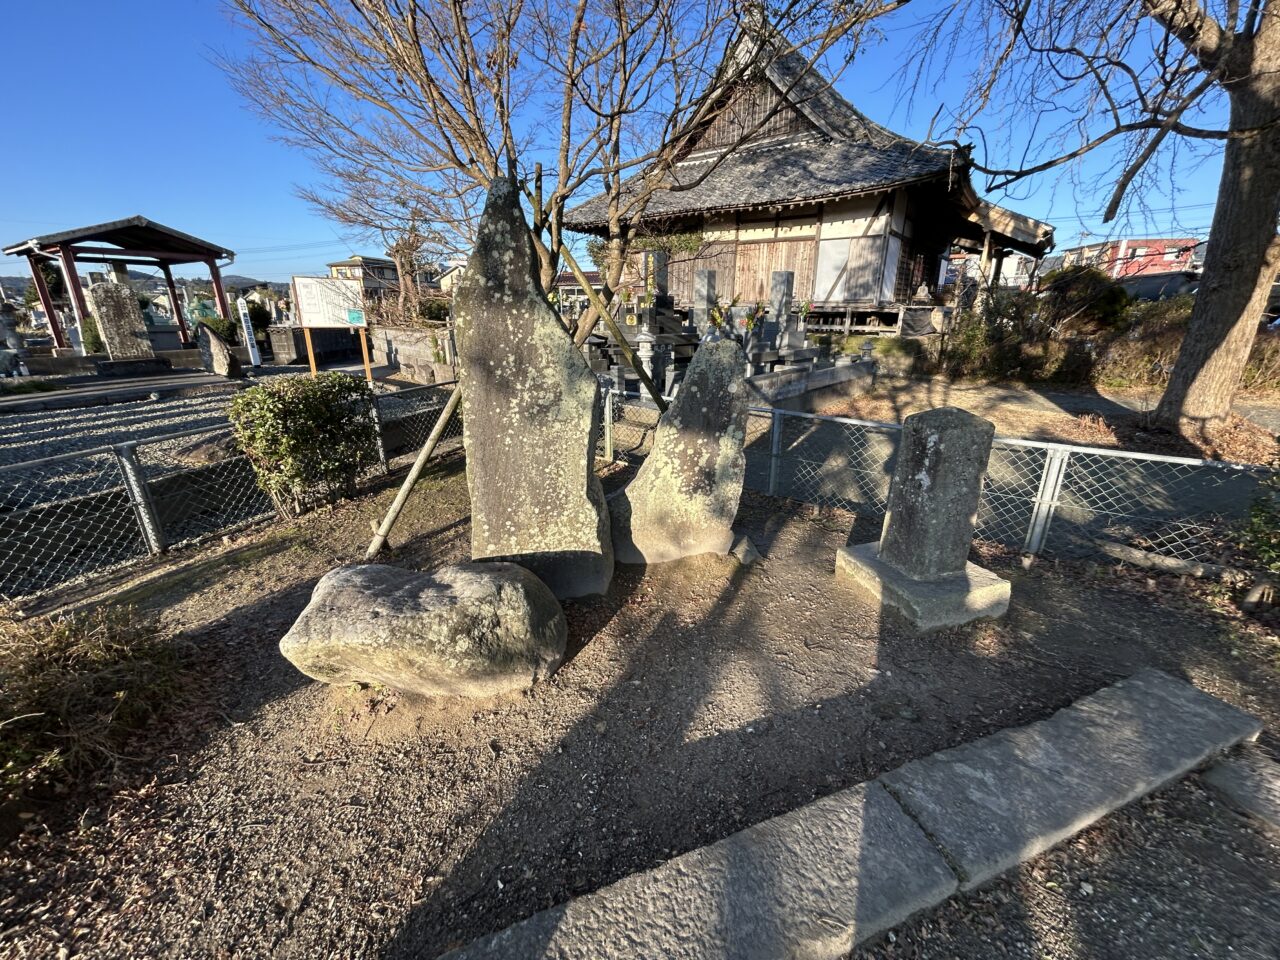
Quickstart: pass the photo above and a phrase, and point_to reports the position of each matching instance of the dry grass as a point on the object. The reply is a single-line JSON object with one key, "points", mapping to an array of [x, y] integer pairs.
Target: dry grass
{"points": [[77, 688]]}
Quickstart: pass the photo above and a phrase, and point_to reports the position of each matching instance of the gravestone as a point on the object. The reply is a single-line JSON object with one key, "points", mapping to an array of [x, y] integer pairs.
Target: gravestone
{"points": [[791, 326], [684, 498], [920, 564], [704, 300], [216, 354], [120, 324], [9, 326], [530, 415]]}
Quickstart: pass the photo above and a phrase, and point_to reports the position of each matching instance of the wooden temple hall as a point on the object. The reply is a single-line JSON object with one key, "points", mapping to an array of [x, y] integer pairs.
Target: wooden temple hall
{"points": [[864, 217], [118, 245]]}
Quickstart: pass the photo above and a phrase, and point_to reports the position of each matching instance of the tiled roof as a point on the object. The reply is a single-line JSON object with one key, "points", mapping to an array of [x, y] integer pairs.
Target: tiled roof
{"points": [[850, 155]]}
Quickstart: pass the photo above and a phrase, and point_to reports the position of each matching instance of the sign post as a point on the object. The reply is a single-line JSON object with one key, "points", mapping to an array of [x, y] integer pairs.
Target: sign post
{"points": [[242, 305], [331, 302]]}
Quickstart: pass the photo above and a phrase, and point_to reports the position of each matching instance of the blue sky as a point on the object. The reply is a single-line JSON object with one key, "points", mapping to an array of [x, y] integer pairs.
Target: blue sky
{"points": [[126, 113]]}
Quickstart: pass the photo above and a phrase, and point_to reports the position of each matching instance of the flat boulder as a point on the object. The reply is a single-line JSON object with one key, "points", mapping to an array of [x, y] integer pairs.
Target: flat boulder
{"points": [[685, 496], [469, 630], [530, 416], [216, 354]]}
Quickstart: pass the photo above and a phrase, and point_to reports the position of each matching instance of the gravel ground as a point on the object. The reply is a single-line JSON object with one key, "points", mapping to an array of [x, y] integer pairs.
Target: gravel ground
{"points": [[278, 817], [30, 436]]}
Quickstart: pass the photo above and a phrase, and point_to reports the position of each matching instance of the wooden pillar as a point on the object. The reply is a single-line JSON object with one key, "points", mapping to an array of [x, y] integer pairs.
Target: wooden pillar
{"points": [[68, 260], [46, 301], [984, 262], [175, 305], [997, 267], [219, 295]]}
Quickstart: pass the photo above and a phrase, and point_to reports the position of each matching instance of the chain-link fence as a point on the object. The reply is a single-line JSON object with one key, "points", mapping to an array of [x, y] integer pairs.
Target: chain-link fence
{"points": [[407, 417], [1040, 498], [79, 514], [72, 516]]}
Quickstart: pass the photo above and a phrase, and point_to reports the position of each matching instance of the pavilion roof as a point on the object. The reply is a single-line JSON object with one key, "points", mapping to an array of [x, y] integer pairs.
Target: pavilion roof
{"points": [[135, 233]]}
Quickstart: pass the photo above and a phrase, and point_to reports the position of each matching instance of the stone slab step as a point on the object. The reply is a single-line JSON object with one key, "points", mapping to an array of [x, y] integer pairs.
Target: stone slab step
{"points": [[810, 883], [813, 882], [998, 801], [1251, 782]]}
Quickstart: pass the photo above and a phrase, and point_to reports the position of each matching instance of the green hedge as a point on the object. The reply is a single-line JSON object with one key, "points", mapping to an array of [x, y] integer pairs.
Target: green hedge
{"points": [[308, 439]]}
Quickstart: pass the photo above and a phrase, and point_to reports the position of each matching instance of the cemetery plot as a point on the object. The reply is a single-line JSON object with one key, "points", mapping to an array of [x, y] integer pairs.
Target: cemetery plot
{"points": [[696, 699]]}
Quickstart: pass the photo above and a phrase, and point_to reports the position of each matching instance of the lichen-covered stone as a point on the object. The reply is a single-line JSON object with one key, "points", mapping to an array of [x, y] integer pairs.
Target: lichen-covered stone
{"points": [[216, 355], [120, 323], [937, 484], [530, 415], [683, 500], [472, 629]]}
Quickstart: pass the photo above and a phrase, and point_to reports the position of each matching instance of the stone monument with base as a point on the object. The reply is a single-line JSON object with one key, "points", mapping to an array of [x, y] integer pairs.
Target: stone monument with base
{"points": [[920, 564]]}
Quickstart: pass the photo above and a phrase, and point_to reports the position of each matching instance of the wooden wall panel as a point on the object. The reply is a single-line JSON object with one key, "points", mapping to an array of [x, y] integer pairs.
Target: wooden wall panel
{"points": [[757, 263], [713, 256]]}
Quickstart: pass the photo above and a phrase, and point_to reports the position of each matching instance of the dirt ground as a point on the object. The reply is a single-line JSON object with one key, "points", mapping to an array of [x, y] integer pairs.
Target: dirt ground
{"points": [[277, 817], [1083, 417]]}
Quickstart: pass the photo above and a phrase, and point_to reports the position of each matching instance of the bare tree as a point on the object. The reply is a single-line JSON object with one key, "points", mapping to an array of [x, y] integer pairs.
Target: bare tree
{"points": [[430, 96], [1148, 79]]}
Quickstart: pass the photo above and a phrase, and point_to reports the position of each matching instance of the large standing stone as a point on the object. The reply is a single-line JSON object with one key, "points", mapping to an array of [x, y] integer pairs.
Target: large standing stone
{"points": [[472, 629], [530, 415], [683, 500], [920, 565], [216, 355], [120, 323]]}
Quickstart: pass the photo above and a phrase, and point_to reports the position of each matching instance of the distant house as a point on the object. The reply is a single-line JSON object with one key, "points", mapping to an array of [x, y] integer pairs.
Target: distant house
{"points": [[1133, 257], [450, 276], [378, 275], [863, 216]]}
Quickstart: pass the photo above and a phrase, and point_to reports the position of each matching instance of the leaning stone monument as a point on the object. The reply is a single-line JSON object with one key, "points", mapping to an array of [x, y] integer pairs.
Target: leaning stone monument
{"points": [[472, 629], [683, 500], [216, 354], [530, 418], [120, 323], [920, 564]]}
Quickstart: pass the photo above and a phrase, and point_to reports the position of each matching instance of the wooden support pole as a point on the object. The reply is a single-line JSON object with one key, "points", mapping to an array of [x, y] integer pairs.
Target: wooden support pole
{"points": [[219, 295], [175, 305], [46, 301], [72, 279], [364, 349], [311, 355], [402, 497]]}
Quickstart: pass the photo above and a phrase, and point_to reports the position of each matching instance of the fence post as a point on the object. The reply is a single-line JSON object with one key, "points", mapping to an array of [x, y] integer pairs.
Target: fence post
{"points": [[608, 426], [775, 449], [377, 433], [135, 483], [1046, 502]]}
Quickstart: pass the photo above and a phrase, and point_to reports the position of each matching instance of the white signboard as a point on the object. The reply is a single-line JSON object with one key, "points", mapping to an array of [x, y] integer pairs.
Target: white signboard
{"points": [[242, 305], [328, 302]]}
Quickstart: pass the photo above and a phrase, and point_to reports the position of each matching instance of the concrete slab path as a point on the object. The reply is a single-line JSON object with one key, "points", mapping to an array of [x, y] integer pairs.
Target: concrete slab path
{"points": [[814, 882]]}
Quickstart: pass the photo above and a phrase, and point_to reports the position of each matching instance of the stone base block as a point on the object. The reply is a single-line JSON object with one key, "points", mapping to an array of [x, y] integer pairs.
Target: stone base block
{"points": [[133, 367], [928, 604]]}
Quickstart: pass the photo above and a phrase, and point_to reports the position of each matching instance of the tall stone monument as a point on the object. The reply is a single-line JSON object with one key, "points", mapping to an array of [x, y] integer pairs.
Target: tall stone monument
{"points": [[683, 500], [529, 415], [920, 564], [120, 323]]}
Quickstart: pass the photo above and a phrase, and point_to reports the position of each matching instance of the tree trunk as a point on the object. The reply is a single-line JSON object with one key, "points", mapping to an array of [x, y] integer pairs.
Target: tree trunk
{"points": [[1240, 265]]}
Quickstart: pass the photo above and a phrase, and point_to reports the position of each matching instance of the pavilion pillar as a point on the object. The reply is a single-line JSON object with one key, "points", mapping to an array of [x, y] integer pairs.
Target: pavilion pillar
{"points": [[46, 301], [72, 278], [175, 305], [219, 295], [984, 262]]}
